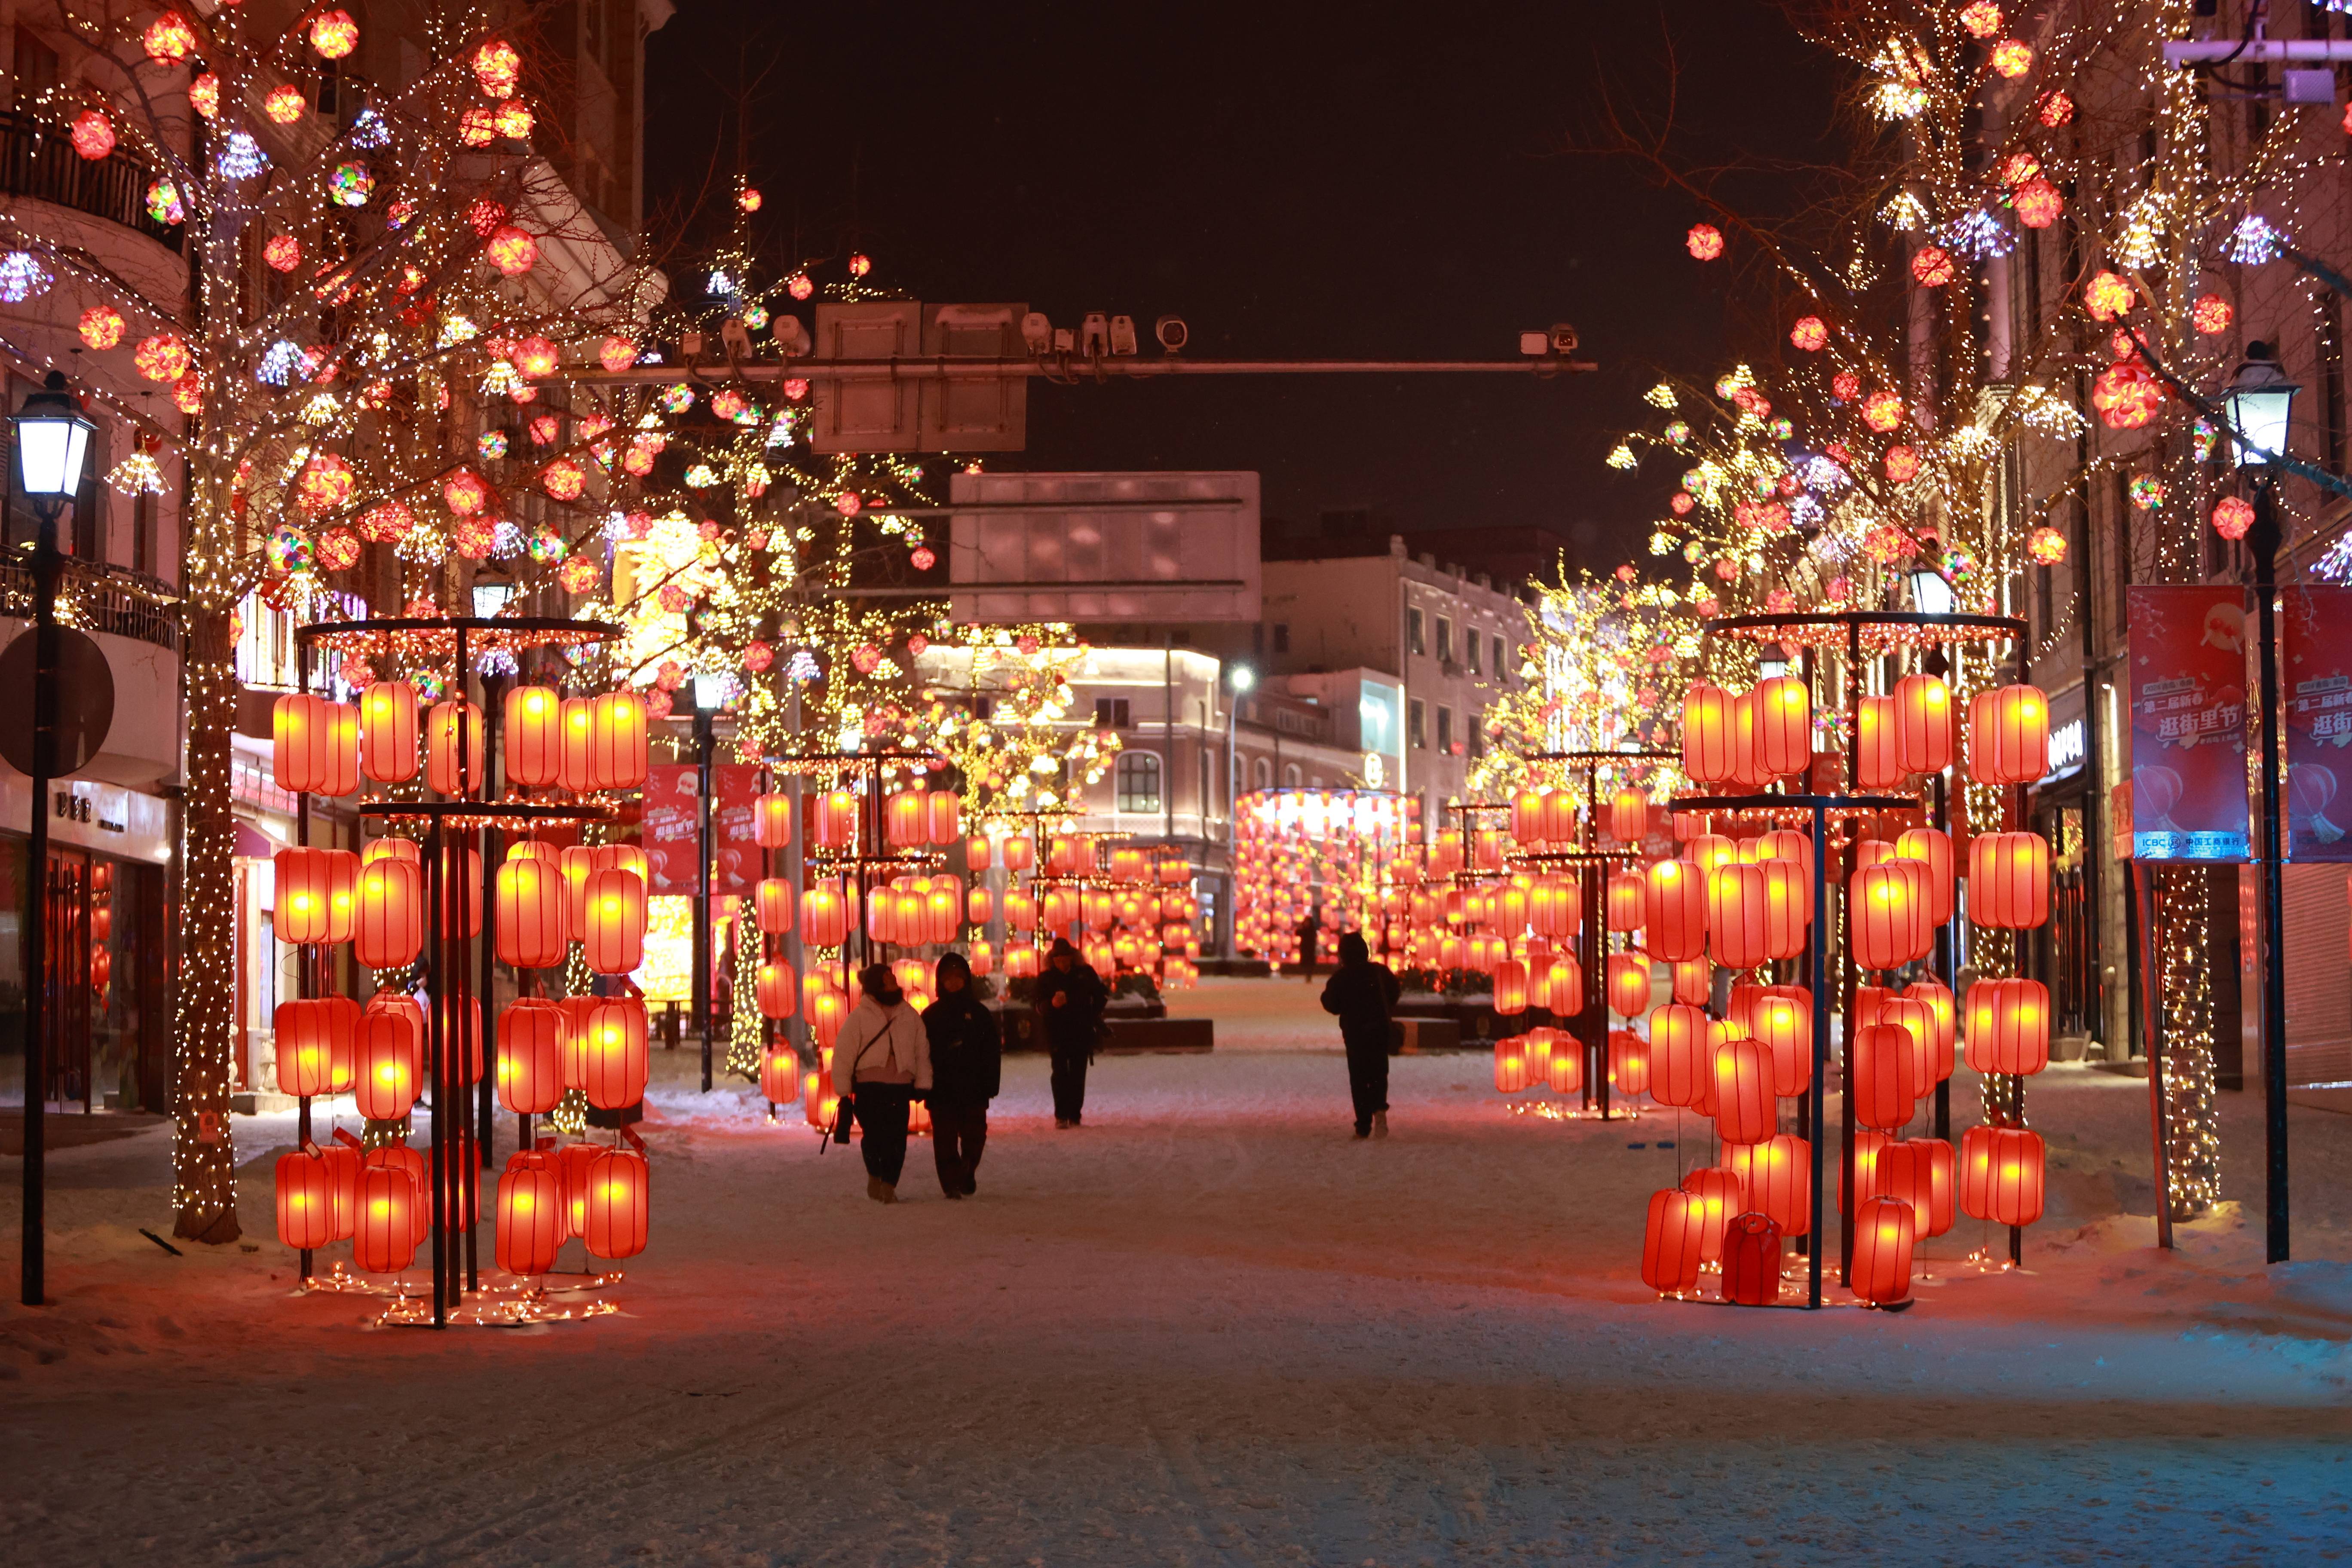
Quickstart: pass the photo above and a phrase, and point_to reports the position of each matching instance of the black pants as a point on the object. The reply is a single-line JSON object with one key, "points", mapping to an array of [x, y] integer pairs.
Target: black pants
{"points": [[1070, 1084], [959, 1132], [1368, 1079], [882, 1114]]}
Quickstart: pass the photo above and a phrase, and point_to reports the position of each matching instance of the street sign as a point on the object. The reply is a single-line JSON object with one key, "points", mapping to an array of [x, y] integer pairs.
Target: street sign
{"points": [[85, 708], [1178, 546]]}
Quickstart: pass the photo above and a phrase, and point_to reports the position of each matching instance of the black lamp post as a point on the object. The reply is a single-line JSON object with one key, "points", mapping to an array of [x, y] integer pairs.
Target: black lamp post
{"points": [[2261, 400], [52, 440]]}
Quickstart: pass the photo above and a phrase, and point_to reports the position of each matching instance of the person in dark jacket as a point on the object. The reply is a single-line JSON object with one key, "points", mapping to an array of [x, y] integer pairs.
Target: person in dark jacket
{"points": [[1361, 992], [1070, 999], [1308, 929], [967, 1066]]}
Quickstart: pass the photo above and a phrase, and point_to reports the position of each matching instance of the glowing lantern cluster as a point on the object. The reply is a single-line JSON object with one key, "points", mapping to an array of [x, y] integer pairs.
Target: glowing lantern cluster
{"points": [[2002, 1175]]}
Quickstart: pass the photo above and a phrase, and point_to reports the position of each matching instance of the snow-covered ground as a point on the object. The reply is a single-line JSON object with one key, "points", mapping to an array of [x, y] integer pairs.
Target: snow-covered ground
{"points": [[1207, 1328]]}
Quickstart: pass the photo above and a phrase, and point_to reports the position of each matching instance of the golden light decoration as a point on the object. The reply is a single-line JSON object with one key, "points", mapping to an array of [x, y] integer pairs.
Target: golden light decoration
{"points": [[285, 104], [170, 38], [333, 34], [2013, 58], [498, 68], [1705, 241], [2045, 546], [513, 251], [2212, 314], [163, 357], [1932, 267]]}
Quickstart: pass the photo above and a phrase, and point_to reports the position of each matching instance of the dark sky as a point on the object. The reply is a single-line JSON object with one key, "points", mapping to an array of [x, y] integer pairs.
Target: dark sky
{"points": [[1294, 181]]}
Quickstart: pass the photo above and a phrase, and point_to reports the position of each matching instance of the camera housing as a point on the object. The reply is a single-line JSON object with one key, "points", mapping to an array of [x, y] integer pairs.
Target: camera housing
{"points": [[1172, 333]]}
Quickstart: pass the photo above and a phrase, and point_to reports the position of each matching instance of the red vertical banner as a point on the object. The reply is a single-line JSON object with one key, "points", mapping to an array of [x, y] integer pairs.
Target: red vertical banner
{"points": [[2316, 700], [735, 828], [2188, 722], [671, 827]]}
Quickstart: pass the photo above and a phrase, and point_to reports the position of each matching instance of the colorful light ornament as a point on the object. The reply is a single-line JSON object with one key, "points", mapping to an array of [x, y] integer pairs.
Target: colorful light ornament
{"points": [[1932, 267], [1705, 241], [1811, 333], [2232, 516]]}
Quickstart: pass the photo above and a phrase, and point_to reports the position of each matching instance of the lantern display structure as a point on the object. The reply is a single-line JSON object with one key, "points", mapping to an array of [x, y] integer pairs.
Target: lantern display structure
{"points": [[517, 761], [1348, 854]]}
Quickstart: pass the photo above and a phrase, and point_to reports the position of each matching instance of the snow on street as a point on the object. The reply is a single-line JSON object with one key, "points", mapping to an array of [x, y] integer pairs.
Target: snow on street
{"points": [[1207, 1328]]}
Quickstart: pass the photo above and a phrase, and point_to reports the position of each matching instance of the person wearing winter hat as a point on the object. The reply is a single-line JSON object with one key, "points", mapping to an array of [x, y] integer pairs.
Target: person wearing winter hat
{"points": [[967, 1065], [1069, 1000], [881, 1062]]}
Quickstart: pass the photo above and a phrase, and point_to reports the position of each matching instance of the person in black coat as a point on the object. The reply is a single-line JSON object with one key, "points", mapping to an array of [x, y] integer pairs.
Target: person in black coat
{"points": [[967, 1066], [1070, 999], [1361, 992]]}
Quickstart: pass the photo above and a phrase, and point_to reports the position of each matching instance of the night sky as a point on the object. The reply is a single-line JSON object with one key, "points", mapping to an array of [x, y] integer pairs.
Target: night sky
{"points": [[1287, 184]]}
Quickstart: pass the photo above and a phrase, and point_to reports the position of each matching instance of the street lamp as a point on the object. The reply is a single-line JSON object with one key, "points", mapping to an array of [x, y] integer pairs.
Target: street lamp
{"points": [[710, 696], [1239, 678], [52, 440], [2260, 402]]}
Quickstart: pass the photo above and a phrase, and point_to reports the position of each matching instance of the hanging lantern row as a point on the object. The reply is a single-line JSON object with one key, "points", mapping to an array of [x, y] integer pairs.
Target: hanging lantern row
{"points": [[1753, 737], [584, 744]]}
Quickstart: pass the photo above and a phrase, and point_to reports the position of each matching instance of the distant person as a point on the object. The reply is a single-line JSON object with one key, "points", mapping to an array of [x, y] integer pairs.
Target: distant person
{"points": [[967, 1068], [1070, 1002], [1308, 929], [881, 1061], [1361, 992]]}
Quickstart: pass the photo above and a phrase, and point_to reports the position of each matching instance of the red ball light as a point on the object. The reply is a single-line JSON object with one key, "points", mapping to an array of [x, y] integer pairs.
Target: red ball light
{"points": [[1811, 333], [2232, 516], [1705, 241]]}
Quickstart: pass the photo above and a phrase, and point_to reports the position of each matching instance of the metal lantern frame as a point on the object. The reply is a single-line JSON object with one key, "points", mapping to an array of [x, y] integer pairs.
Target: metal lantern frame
{"points": [[1365, 865], [461, 1144]]}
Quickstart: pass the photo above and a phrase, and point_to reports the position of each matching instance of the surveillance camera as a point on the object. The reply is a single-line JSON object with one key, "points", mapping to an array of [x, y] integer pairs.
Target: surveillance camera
{"points": [[1171, 332], [1094, 334], [689, 344], [1563, 339], [1036, 333], [1535, 344], [737, 338], [1122, 334], [792, 336], [1063, 340]]}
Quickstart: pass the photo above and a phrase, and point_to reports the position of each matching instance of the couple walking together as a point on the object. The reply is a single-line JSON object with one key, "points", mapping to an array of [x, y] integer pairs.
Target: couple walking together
{"points": [[951, 1057]]}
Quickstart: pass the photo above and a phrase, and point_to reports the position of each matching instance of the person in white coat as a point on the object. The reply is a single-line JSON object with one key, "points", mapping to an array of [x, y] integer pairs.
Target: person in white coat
{"points": [[881, 1062]]}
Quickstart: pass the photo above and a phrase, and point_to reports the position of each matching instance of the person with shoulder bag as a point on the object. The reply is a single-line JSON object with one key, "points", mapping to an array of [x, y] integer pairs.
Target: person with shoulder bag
{"points": [[967, 1068], [881, 1063]]}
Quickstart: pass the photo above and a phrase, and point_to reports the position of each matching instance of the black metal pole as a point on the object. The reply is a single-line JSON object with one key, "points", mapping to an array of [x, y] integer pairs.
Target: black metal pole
{"points": [[1820, 1038], [2265, 543], [704, 741], [47, 565], [1945, 950]]}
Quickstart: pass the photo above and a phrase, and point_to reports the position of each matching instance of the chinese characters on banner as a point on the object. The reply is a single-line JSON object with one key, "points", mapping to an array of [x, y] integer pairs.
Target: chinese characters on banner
{"points": [[2316, 692], [735, 830], [2187, 663], [672, 828]]}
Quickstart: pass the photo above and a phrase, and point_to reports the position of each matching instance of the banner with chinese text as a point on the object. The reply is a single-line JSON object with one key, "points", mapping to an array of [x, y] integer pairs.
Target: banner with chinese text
{"points": [[2188, 659]]}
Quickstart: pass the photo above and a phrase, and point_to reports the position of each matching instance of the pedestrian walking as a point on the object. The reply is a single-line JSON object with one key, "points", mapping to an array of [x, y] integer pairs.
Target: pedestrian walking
{"points": [[1361, 992], [1308, 929], [881, 1061], [967, 1068], [1070, 1002]]}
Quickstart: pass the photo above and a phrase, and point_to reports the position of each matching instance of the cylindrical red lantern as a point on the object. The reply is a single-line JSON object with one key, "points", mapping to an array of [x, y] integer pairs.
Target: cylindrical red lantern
{"points": [[1510, 988], [978, 906], [613, 1060], [441, 747], [1719, 1199], [1918, 1170], [1629, 984], [615, 941], [1708, 737], [1788, 906], [1744, 1111], [619, 1187], [1936, 998], [306, 1204], [385, 1237], [617, 747], [780, 1075], [1563, 987], [387, 1068], [317, 1045], [1673, 1242], [314, 745], [533, 736], [1783, 1025], [2009, 1026], [530, 1056], [904, 820], [343, 1166], [1528, 818], [1629, 815], [573, 1163], [532, 929], [1784, 726], [774, 820], [778, 989], [2008, 735], [2001, 1173], [1512, 1071], [1884, 1234], [1923, 724], [1932, 847], [1888, 912], [1875, 758], [1885, 1076], [2009, 880], [1776, 1175], [1674, 911], [772, 905], [942, 817], [1628, 899], [530, 1218], [1680, 1056], [388, 732], [1738, 925], [1751, 1261], [1629, 1062], [1917, 1020], [316, 892], [1694, 982]]}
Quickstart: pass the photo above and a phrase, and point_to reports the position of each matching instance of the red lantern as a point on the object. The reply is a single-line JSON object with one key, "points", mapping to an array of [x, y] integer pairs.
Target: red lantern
{"points": [[1674, 911], [1776, 1175], [772, 905], [316, 1041], [2008, 735], [614, 1059], [1917, 1020], [1528, 818], [615, 935], [1784, 726], [618, 1188], [1744, 1111], [534, 737], [389, 928], [314, 745], [1709, 742], [530, 1056], [2002, 1172], [1629, 817], [1737, 924], [1694, 982], [774, 820], [388, 1065], [1512, 1071], [1716, 1192], [306, 1204], [836, 823], [1563, 995], [904, 820], [1629, 984], [617, 747], [1787, 906], [1889, 914], [1918, 1172], [779, 990], [1923, 724], [317, 889], [1510, 988], [1751, 1261], [1875, 757], [1629, 1063], [388, 732], [2009, 880], [533, 930], [780, 1075], [1937, 999], [342, 1163], [824, 915], [1783, 1025], [2009, 1026], [1680, 1056], [573, 1163], [531, 1219], [943, 817], [1627, 897], [1866, 1147], [385, 1237], [1884, 1234], [1673, 1242], [441, 736], [1885, 1076], [1932, 847]]}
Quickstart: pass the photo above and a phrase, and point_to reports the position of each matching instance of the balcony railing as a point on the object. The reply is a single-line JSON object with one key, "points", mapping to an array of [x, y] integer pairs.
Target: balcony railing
{"points": [[37, 161], [98, 598]]}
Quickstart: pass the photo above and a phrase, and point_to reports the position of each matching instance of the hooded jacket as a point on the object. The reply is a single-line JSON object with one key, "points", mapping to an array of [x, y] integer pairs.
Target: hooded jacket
{"points": [[1360, 992], [880, 1044], [966, 1044], [1070, 1027]]}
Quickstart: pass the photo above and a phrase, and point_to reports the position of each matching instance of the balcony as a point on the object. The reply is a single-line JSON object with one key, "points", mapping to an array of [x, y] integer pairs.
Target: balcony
{"points": [[97, 598], [37, 161]]}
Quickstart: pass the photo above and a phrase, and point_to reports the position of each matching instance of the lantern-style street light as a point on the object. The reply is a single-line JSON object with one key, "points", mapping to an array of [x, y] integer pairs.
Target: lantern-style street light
{"points": [[52, 442], [2261, 403]]}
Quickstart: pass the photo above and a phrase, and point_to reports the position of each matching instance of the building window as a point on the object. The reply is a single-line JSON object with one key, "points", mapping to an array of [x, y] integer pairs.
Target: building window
{"points": [[1445, 731], [1290, 775], [1500, 670], [1477, 738], [1282, 636], [1110, 713], [1138, 781], [1470, 650], [1264, 774], [1416, 724], [1444, 640], [1413, 634]]}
